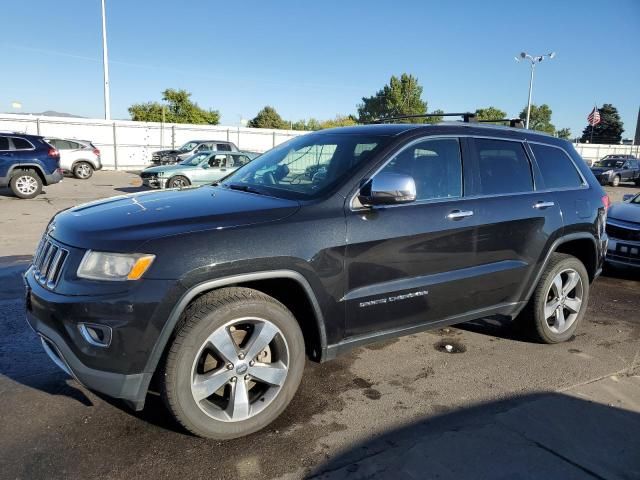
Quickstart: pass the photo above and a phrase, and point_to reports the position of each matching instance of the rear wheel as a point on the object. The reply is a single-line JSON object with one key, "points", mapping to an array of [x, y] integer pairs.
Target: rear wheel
{"points": [[234, 365], [26, 184], [616, 181], [178, 181], [559, 301], [82, 170]]}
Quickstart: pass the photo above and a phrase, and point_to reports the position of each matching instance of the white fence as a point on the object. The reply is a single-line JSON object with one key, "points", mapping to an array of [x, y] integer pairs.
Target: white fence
{"points": [[125, 144]]}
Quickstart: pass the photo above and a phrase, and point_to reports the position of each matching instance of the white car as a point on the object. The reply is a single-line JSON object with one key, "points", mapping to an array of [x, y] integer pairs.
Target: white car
{"points": [[79, 157]]}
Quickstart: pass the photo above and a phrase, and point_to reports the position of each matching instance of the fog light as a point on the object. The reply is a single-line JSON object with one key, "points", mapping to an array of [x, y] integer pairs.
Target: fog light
{"points": [[96, 335]]}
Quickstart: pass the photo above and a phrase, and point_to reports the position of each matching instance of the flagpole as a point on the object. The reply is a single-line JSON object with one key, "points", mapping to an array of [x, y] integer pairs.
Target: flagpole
{"points": [[592, 125]]}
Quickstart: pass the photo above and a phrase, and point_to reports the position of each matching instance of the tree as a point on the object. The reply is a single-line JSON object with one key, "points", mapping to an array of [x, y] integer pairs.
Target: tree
{"points": [[402, 96], [178, 108], [540, 118], [268, 118], [564, 133], [490, 113], [338, 121], [609, 130]]}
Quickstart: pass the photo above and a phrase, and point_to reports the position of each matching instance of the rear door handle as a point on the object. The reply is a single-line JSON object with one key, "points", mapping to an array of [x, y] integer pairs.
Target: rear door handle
{"points": [[459, 214], [542, 205]]}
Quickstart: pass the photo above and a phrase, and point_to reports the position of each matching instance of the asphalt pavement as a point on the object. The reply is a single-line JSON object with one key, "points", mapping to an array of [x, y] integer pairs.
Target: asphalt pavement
{"points": [[500, 407]]}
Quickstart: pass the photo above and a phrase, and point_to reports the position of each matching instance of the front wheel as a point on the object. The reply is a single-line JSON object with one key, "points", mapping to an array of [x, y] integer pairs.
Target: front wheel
{"points": [[234, 365], [178, 181], [559, 301], [616, 181], [26, 184]]}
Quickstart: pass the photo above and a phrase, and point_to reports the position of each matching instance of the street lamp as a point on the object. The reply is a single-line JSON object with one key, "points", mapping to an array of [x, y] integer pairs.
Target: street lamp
{"points": [[105, 67], [533, 60]]}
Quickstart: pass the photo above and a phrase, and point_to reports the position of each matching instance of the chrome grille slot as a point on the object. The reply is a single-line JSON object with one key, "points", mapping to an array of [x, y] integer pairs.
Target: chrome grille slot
{"points": [[48, 262]]}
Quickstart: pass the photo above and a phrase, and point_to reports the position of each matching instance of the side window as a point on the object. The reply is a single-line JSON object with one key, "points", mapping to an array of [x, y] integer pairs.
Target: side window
{"points": [[73, 145], [558, 171], [435, 165], [217, 161], [223, 147], [21, 144], [239, 160], [4, 143], [503, 167]]}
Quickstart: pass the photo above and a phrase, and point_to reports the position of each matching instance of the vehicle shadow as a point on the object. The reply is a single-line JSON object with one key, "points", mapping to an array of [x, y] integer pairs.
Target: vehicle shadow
{"points": [[138, 189], [621, 272], [22, 358], [535, 436], [497, 326]]}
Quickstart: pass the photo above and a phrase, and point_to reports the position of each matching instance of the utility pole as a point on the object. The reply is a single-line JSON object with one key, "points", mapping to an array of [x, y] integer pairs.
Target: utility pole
{"points": [[105, 67]]}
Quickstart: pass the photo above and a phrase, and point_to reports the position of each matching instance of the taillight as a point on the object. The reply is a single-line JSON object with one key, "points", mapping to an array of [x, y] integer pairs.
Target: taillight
{"points": [[53, 152], [96, 152], [606, 202]]}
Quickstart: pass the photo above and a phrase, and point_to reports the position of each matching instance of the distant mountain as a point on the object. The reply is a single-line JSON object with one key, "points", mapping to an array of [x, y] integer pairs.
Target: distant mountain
{"points": [[51, 113]]}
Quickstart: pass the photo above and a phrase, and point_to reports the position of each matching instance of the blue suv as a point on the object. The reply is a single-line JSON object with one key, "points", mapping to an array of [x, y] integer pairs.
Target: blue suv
{"points": [[27, 163]]}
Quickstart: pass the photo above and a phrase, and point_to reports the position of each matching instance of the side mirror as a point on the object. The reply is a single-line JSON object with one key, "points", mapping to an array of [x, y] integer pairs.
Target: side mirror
{"points": [[388, 188], [205, 165], [627, 197]]}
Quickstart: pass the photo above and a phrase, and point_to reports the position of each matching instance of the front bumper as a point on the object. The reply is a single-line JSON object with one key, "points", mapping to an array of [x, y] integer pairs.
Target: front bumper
{"points": [[153, 182], [623, 252]]}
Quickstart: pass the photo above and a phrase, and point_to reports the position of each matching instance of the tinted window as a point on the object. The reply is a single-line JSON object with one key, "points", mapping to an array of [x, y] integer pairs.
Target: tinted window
{"points": [[503, 167], [21, 144], [558, 171], [238, 160], [223, 147], [435, 166], [4, 143]]}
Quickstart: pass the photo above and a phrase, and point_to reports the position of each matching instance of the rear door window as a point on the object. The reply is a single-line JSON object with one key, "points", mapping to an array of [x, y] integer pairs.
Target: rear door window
{"points": [[21, 144], [503, 167], [4, 143], [558, 171], [224, 147]]}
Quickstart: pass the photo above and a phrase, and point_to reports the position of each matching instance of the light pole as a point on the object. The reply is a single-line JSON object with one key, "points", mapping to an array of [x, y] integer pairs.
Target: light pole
{"points": [[533, 60], [105, 67]]}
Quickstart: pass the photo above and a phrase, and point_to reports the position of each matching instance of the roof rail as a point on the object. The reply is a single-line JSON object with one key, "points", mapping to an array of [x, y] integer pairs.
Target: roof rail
{"points": [[466, 117], [513, 122]]}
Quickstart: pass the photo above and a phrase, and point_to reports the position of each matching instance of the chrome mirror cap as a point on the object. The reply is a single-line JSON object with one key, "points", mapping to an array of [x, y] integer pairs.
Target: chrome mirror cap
{"points": [[388, 188]]}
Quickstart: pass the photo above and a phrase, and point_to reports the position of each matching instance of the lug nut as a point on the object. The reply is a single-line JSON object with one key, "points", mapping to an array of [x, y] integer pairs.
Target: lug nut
{"points": [[247, 377], [241, 356], [229, 366], [252, 363], [233, 379]]}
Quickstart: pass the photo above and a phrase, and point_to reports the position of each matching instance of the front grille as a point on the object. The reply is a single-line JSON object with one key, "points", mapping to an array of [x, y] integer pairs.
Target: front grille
{"points": [[155, 157], [621, 233], [48, 262], [148, 175]]}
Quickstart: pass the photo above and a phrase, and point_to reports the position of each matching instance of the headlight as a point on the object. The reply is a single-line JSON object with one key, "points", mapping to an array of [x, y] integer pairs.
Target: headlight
{"points": [[114, 266]]}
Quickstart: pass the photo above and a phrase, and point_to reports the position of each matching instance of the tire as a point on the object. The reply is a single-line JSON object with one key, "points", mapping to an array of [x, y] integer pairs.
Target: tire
{"points": [[179, 181], [26, 184], [616, 181], [201, 358], [83, 170], [536, 321]]}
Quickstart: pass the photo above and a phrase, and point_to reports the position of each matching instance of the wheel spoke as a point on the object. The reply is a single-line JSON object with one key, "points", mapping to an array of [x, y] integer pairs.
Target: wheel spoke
{"points": [[207, 384], [550, 308], [572, 281], [260, 338], [238, 407], [271, 373], [557, 285], [560, 320], [224, 344], [573, 304]]}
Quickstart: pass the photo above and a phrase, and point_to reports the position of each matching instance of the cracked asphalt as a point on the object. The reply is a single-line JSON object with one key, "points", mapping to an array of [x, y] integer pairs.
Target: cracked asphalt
{"points": [[499, 406]]}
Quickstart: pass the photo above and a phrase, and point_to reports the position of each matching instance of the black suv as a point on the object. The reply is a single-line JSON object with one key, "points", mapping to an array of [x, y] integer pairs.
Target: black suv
{"points": [[27, 162], [612, 170], [215, 295]]}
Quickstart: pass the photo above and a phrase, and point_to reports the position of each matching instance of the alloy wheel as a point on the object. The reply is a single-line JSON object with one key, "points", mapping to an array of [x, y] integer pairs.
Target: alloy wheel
{"points": [[239, 370], [26, 185], [564, 301], [83, 170]]}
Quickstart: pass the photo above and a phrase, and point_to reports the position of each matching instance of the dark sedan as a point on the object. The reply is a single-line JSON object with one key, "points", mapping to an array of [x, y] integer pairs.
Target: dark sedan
{"points": [[623, 229], [613, 170]]}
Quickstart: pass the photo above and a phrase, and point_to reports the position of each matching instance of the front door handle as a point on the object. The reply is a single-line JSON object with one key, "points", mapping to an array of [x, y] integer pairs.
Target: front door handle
{"points": [[459, 214], [542, 205]]}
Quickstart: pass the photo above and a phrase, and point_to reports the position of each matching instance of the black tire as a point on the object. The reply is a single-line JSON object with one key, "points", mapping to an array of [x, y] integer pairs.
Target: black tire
{"points": [[25, 184], [616, 181], [206, 315], [83, 170], [179, 181], [533, 318]]}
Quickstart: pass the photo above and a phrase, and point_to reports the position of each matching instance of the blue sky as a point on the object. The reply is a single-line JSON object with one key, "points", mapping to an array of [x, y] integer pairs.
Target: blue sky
{"points": [[317, 59]]}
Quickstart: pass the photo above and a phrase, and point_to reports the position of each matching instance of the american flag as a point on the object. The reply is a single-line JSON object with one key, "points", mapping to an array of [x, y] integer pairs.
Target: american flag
{"points": [[594, 117]]}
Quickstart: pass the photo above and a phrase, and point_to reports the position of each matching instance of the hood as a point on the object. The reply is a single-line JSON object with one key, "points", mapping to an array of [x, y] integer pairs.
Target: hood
{"points": [[165, 152], [625, 211], [601, 169], [169, 168], [123, 223]]}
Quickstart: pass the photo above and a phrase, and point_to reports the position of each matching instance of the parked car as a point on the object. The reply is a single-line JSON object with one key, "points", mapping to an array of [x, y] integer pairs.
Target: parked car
{"points": [[169, 157], [219, 293], [27, 162], [623, 229], [79, 157], [612, 170], [199, 169]]}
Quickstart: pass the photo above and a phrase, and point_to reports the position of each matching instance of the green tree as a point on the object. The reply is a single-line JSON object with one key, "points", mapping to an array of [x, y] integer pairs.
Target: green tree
{"points": [[402, 96], [338, 121], [177, 108], [268, 118], [564, 133], [609, 130], [490, 113], [540, 118]]}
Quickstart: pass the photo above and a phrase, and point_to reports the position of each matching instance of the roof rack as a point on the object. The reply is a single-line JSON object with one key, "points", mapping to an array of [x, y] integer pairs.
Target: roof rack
{"points": [[467, 117]]}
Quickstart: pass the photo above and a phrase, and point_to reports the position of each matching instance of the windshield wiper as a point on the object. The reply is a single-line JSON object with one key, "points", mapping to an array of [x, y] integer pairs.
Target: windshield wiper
{"points": [[244, 188]]}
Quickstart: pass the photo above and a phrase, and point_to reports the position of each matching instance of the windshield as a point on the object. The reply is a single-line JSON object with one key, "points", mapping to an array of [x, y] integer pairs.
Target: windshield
{"points": [[306, 166], [187, 147], [195, 159], [635, 200], [618, 163]]}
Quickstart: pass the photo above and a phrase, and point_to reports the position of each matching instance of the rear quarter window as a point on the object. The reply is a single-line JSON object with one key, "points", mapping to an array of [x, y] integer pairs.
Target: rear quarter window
{"points": [[21, 144], [558, 171]]}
